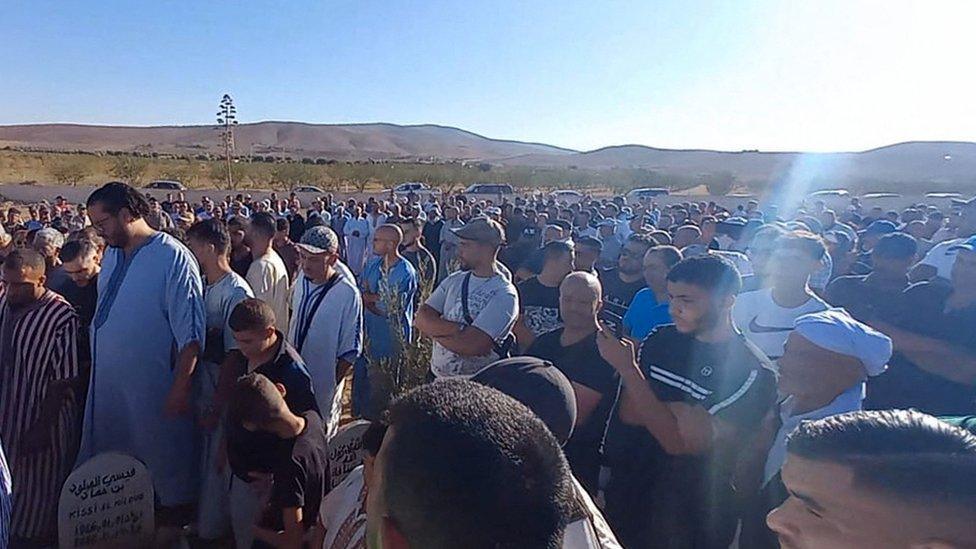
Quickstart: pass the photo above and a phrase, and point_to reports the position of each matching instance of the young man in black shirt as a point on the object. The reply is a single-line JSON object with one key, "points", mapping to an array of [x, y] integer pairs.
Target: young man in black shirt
{"points": [[934, 334], [573, 350], [621, 284], [871, 296], [539, 295], [298, 469], [689, 403], [251, 453], [420, 257]]}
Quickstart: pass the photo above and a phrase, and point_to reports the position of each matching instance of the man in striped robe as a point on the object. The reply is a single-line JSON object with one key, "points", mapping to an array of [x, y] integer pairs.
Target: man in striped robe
{"points": [[38, 415]]}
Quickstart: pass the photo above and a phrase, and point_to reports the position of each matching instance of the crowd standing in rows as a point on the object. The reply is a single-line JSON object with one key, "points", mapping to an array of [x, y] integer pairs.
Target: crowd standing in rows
{"points": [[602, 374]]}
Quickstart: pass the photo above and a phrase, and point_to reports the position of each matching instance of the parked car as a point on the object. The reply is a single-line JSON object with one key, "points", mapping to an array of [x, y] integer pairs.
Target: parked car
{"points": [[309, 189], [496, 192], [166, 185], [829, 192], [645, 194], [875, 196], [421, 191]]}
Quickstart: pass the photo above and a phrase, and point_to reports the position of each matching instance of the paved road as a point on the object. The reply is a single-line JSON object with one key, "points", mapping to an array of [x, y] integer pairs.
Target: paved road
{"points": [[36, 193]]}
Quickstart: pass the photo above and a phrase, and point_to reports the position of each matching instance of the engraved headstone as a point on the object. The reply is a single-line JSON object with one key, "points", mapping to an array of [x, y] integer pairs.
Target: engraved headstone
{"points": [[346, 451], [107, 502]]}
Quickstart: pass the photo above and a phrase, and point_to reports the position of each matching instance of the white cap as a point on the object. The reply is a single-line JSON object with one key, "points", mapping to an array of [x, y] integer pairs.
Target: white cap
{"points": [[837, 331]]}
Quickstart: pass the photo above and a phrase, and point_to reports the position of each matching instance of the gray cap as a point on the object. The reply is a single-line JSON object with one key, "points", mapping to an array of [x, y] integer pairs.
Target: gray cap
{"points": [[319, 239], [482, 229]]}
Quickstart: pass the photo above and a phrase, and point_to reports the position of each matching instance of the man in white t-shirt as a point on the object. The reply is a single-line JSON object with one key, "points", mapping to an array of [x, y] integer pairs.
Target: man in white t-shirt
{"points": [[766, 316], [471, 313], [938, 262], [268, 276], [327, 326]]}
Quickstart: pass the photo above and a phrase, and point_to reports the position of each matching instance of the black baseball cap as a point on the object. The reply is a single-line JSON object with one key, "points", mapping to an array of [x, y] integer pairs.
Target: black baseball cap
{"points": [[537, 384]]}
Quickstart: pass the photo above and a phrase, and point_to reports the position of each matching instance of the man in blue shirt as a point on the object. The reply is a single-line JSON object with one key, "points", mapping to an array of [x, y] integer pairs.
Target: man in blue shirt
{"points": [[388, 286], [650, 307]]}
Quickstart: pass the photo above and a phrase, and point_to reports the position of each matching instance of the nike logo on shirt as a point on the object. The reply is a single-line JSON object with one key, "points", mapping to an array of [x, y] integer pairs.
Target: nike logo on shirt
{"points": [[757, 328]]}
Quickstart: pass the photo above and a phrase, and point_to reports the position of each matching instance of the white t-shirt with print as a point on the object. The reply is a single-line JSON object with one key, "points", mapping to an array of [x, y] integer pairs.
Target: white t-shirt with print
{"points": [[493, 305], [765, 323]]}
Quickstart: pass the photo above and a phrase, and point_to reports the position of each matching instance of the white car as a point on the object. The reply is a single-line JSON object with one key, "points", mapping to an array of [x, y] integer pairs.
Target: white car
{"points": [[496, 192], [309, 189], [643, 195], [421, 191], [828, 193], [166, 185]]}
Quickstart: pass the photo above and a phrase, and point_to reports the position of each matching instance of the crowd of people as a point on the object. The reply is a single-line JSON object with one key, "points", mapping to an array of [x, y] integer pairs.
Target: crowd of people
{"points": [[601, 373]]}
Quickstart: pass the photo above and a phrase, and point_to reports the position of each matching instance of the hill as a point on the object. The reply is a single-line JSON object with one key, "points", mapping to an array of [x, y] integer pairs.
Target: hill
{"points": [[295, 139], [924, 165], [937, 163]]}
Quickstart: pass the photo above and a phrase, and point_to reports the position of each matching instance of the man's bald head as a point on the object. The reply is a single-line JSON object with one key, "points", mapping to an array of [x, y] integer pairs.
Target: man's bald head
{"points": [[387, 239], [580, 300]]}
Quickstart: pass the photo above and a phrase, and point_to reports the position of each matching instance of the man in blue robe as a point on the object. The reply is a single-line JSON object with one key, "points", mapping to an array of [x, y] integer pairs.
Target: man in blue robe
{"points": [[148, 331]]}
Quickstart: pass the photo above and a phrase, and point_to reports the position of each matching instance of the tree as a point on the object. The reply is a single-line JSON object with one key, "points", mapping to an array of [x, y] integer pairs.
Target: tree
{"points": [[129, 169], [292, 174], [720, 183], [226, 120], [184, 172], [70, 170]]}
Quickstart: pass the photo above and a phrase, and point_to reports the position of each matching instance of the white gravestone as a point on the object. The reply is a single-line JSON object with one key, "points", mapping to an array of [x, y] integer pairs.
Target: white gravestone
{"points": [[346, 451], [107, 502]]}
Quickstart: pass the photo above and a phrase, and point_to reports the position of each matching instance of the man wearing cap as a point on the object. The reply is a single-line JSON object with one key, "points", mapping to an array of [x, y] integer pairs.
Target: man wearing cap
{"points": [[550, 395], [827, 358], [938, 262], [933, 327], [873, 295], [327, 319], [357, 233], [471, 313]]}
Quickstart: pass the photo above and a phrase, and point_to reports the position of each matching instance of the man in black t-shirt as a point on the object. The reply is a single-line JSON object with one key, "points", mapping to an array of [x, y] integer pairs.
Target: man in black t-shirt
{"points": [[572, 349], [298, 469], [621, 284], [689, 403], [539, 295], [420, 257], [871, 296], [934, 334]]}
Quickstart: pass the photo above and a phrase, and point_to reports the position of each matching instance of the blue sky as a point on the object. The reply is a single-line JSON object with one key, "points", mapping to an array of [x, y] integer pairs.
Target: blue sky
{"points": [[823, 75]]}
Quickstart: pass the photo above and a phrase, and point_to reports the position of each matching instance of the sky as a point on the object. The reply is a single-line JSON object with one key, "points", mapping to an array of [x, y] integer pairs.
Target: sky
{"points": [[789, 75]]}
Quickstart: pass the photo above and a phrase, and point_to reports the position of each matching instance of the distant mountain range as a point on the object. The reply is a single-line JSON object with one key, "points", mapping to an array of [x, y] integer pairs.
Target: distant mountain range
{"points": [[926, 163]]}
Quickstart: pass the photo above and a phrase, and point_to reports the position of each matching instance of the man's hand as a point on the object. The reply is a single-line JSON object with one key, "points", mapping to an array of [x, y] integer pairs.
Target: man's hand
{"points": [[618, 352], [178, 399], [694, 424]]}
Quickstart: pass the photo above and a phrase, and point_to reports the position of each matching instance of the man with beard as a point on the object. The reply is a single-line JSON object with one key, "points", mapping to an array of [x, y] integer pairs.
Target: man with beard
{"points": [[148, 331], [420, 257], [621, 284], [689, 402], [471, 313]]}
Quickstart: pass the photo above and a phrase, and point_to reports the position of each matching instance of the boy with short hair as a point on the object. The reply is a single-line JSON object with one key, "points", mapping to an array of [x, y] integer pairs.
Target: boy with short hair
{"points": [[251, 453], [297, 472]]}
